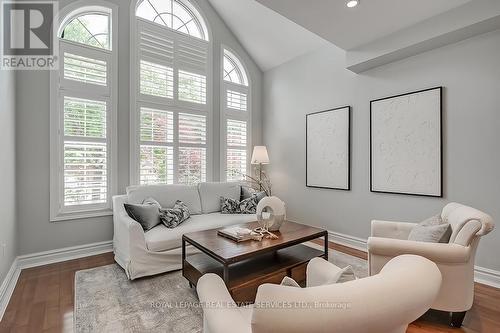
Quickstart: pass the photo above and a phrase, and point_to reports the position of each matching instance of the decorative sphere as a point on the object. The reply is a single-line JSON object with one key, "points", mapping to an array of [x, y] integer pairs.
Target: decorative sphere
{"points": [[271, 213]]}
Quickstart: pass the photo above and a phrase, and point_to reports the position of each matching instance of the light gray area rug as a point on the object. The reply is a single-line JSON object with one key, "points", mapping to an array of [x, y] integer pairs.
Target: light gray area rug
{"points": [[106, 301]]}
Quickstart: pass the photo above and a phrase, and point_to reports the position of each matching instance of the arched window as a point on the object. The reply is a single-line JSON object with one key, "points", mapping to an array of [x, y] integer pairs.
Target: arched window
{"points": [[83, 112], [89, 29], [170, 100], [177, 15], [233, 69], [236, 118]]}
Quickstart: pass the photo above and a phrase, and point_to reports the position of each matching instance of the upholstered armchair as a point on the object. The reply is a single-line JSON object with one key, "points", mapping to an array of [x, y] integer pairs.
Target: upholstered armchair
{"points": [[454, 259], [384, 303]]}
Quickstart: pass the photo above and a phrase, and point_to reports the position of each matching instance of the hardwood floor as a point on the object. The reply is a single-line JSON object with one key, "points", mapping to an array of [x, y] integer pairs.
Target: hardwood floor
{"points": [[43, 298], [43, 301]]}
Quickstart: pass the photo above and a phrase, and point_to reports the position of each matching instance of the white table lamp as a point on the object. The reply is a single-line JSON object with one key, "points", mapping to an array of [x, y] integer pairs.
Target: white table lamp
{"points": [[260, 157]]}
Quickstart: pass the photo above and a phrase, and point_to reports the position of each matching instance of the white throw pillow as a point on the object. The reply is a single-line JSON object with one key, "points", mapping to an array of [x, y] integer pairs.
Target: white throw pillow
{"points": [[343, 275]]}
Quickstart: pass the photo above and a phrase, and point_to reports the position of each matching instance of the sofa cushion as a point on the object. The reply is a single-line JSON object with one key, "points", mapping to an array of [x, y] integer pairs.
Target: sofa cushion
{"points": [[167, 195], [210, 194], [161, 238]]}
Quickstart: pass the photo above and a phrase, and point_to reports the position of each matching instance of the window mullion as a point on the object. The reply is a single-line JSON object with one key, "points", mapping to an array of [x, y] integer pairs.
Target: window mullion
{"points": [[176, 148]]}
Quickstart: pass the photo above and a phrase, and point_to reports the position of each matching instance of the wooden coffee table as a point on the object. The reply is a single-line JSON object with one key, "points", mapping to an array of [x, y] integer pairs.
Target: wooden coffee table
{"points": [[246, 265]]}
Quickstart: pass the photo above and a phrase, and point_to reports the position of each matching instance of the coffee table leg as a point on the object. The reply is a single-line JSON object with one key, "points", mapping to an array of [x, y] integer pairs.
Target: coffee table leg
{"points": [[184, 258], [226, 274], [326, 246]]}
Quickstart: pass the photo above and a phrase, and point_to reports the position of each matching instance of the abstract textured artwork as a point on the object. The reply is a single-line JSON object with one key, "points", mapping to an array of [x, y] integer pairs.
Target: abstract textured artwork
{"points": [[406, 143], [328, 149]]}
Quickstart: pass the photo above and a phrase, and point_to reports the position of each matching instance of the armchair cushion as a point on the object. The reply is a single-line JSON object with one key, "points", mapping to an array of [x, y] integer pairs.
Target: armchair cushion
{"points": [[391, 229], [432, 230]]}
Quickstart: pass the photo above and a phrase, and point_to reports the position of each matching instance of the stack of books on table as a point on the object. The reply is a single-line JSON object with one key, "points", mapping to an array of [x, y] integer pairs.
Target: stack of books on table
{"points": [[237, 234]]}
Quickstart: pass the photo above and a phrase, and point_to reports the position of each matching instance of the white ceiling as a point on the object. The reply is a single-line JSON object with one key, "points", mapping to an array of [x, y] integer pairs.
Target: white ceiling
{"points": [[351, 27], [268, 37]]}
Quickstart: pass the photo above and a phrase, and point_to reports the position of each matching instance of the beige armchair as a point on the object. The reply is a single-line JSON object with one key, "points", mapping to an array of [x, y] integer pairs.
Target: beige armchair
{"points": [[454, 259], [384, 303]]}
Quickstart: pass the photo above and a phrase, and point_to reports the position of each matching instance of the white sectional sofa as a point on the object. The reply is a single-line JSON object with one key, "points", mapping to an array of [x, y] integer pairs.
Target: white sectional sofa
{"points": [[159, 249]]}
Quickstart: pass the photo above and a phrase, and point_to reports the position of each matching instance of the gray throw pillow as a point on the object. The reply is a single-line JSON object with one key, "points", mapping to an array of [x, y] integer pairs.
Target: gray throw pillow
{"points": [[147, 213], [432, 230], [247, 192], [172, 217]]}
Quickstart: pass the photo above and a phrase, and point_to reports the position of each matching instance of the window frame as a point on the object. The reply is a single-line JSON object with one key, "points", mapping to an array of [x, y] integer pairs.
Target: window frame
{"points": [[233, 114], [174, 105], [191, 9], [61, 87]]}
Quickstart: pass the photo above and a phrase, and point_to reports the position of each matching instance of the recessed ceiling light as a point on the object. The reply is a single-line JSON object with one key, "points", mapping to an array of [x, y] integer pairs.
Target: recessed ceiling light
{"points": [[352, 3]]}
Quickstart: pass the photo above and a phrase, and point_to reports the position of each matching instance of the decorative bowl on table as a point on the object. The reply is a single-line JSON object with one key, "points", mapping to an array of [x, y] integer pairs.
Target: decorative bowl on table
{"points": [[271, 213]]}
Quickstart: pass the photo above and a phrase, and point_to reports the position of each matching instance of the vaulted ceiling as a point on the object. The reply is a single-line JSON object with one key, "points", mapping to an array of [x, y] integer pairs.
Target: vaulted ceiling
{"points": [[268, 37], [351, 27], [374, 33]]}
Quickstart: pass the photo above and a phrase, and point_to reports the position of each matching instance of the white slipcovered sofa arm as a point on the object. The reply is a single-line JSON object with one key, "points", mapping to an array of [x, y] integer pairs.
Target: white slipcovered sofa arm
{"points": [[436, 252], [127, 232], [391, 229], [221, 314]]}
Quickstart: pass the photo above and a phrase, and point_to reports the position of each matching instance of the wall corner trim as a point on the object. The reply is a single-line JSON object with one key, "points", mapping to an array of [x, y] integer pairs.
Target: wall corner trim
{"points": [[8, 286]]}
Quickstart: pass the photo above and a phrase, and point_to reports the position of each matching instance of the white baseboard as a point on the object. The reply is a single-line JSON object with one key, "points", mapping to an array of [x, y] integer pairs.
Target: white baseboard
{"points": [[487, 276], [64, 254], [45, 258], [346, 240], [7, 287], [482, 275]]}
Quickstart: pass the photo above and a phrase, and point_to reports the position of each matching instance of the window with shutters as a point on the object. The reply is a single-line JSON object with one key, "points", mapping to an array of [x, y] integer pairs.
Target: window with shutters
{"points": [[236, 117], [170, 104], [83, 112]]}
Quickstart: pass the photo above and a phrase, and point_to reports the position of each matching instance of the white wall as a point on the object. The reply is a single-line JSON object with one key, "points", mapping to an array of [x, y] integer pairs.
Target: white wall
{"points": [[36, 233], [8, 226], [470, 73]]}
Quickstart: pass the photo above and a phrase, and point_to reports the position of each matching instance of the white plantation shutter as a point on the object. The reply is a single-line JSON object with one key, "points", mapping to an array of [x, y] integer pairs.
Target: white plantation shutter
{"points": [[156, 80], [236, 118], [236, 100], [83, 111], [85, 173], [192, 148], [192, 129], [192, 87], [171, 106], [156, 146], [236, 149], [84, 69]]}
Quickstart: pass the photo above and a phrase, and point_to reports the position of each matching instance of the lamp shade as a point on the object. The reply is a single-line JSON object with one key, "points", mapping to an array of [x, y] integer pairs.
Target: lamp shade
{"points": [[259, 155]]}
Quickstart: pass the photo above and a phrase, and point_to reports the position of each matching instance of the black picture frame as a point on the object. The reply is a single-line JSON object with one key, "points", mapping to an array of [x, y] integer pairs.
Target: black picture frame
{"points": [[441, 145], [349, 172]]}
